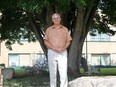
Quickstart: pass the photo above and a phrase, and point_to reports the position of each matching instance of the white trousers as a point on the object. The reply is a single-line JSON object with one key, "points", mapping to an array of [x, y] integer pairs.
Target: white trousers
{"points": [[59, 60]]}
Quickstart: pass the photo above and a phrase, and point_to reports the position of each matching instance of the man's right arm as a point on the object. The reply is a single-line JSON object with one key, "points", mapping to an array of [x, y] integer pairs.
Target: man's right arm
{"points": [[46, 41]]}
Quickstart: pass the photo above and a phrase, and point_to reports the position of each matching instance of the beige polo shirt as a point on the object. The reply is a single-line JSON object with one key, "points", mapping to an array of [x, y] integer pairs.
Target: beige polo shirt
{"points": [[57, 37]]}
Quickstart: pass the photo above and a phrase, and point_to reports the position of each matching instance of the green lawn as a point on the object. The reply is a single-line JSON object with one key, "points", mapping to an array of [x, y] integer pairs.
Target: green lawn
{"points": [[21, 80], [104, 71], [108, 71]]}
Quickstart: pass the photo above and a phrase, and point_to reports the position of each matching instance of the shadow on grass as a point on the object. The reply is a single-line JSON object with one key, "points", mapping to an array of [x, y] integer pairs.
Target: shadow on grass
{"points": [[28, 81], [42, 80]]}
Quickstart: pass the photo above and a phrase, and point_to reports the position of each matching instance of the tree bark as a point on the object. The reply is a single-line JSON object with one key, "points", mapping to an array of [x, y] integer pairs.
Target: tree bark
{"points": [[36, 30], [46, 20], [83, 21], [76, 48]]}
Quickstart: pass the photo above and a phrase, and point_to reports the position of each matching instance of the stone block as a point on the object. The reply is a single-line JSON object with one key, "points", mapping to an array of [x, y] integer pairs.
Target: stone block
{"points": [[8, 73], [94, 81]]}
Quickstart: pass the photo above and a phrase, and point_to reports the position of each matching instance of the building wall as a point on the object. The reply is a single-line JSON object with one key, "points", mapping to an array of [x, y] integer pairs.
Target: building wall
{"points": [[26, 53], [100, 47], [100, 50]]}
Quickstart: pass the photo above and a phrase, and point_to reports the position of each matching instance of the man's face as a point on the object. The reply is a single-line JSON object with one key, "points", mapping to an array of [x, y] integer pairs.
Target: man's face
{"points": [[56, 19]]}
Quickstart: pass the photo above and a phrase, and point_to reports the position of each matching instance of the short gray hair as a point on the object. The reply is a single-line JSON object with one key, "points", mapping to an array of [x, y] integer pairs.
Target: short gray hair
{"points": [[55, 15]]}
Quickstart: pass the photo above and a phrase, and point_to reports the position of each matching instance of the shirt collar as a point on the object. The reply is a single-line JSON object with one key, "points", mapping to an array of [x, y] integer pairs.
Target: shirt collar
{"points": [[53, 27]]}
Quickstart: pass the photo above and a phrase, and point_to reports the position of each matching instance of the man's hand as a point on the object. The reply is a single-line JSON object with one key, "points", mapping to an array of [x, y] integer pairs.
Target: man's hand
{"points": [[60, 49]]}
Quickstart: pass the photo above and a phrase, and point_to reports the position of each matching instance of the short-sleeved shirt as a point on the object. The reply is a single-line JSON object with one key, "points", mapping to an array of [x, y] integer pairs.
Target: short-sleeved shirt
{"points": [[57, 37]]}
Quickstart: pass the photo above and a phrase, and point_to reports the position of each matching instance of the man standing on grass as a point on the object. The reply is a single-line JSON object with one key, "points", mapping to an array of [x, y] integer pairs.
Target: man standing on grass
{"points": [[57, 39]]}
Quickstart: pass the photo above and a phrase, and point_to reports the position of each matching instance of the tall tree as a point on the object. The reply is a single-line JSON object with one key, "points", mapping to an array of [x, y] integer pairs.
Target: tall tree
{"points": [[29, 19]]}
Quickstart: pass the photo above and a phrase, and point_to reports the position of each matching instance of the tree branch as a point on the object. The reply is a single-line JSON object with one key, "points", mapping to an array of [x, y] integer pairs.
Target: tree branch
{"points": [[37, 31]]}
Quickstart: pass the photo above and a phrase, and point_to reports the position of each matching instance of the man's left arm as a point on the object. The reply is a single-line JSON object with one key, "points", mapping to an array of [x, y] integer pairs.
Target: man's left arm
{"points": [[68, 41], [66, 45]]}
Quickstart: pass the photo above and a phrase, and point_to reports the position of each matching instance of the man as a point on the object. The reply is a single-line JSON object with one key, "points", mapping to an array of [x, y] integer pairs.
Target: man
{"points": [[57, 39]]}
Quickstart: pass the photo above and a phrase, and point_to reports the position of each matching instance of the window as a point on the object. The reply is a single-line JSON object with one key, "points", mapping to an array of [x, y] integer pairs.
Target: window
{"points": [[26, 59], [24, 40], [100, 59], [13, 60], [41, 57], [100, 37], [41, 60]]}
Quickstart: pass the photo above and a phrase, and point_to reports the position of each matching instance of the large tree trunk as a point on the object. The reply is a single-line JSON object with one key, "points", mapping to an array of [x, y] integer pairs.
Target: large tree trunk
{"points": [[76, 46], [83, 21]]}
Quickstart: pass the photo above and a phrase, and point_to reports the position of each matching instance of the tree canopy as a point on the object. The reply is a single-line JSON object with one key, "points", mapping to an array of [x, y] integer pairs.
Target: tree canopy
{"points": [[29, 19]]}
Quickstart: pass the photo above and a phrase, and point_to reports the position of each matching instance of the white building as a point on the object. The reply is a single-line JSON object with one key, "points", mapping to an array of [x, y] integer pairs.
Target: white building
{"points": [[99, 50]]}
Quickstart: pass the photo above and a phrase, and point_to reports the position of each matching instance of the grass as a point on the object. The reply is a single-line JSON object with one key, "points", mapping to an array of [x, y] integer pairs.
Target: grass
{"points": [[108, 71], [28, 81], [104, 72], [21, 80], [19, 72]]}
